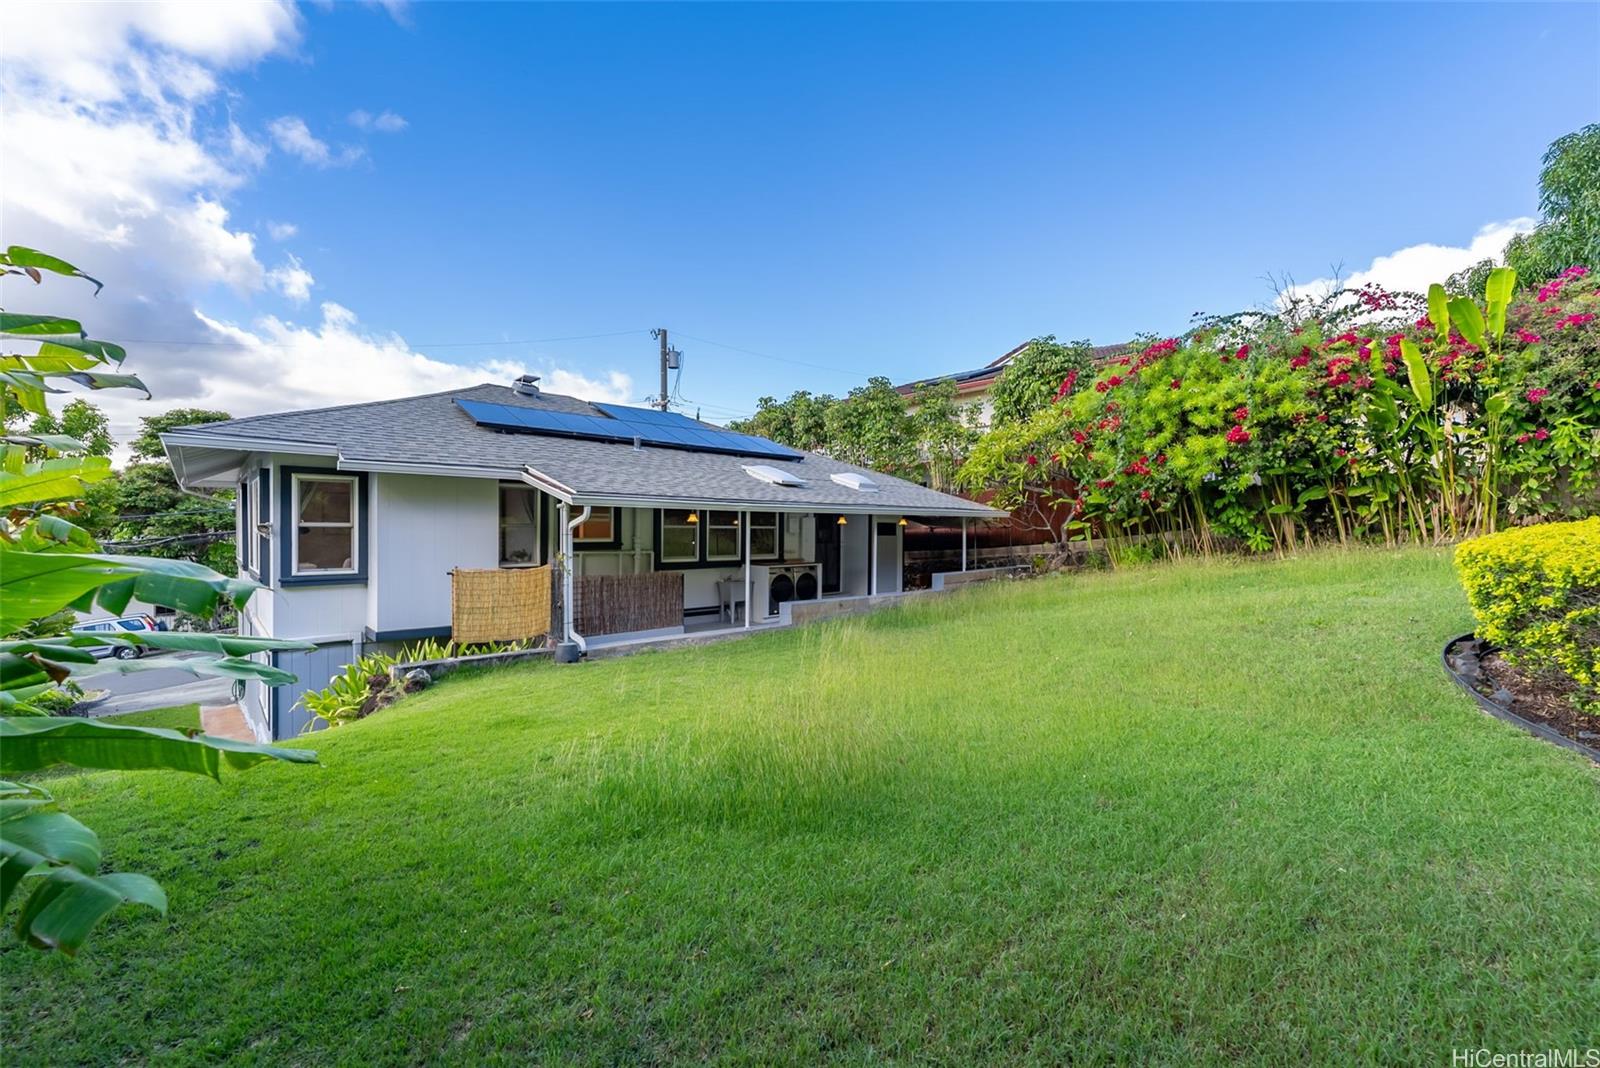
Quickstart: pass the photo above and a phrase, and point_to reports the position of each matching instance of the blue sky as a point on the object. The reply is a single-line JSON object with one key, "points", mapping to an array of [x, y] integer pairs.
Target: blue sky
{"points": [[895, 189]]}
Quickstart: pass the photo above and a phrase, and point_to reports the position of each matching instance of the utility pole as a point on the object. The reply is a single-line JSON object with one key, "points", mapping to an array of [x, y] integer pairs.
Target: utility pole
{"points": [[670, 358]]}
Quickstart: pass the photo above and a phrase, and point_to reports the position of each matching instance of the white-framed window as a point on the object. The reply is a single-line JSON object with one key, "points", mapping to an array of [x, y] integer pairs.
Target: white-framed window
{"points": [[763, 535], [519, 525], [722, 536], [680, 536], [600, 526], [326, 520]]}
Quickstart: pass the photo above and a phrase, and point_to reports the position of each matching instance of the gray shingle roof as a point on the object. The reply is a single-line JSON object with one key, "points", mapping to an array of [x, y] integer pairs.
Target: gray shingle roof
{"points": [[433, 430]]}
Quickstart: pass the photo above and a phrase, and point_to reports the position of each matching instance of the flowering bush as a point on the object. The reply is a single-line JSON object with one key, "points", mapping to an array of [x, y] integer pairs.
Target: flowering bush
{"points": [[1369, 415], [1536, 594]]}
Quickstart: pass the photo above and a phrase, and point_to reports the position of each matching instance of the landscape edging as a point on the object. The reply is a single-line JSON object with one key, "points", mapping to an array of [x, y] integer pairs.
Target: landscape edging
{"points": [[1472, 672]]}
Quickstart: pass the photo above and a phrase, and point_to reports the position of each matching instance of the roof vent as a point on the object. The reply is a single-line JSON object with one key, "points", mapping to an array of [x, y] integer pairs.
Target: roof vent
{"points": [[859, 483], [775, 475], [527, 385]]}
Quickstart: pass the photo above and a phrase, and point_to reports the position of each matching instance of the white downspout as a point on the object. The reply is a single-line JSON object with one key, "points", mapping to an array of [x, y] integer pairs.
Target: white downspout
{"points": [[963, 543], [747, 604], [567, 528]]}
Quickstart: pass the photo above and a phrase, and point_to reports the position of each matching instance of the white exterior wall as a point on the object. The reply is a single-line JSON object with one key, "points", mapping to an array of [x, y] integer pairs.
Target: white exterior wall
{"points": [[420, 527]]}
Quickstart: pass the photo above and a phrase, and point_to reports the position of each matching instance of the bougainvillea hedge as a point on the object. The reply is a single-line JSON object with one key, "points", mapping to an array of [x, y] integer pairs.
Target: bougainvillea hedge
{"points": [[1366, 415]]}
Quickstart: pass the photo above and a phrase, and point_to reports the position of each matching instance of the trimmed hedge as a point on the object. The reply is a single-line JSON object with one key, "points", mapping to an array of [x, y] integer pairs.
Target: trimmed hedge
{"points": [[1536, 594]]}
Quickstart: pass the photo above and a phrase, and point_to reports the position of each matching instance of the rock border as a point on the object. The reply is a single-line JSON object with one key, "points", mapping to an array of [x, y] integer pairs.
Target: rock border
{"points": [[1462, 659]]}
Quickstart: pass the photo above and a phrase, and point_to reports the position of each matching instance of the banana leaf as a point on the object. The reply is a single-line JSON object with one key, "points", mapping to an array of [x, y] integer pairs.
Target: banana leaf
{"points": [[43, 741]]}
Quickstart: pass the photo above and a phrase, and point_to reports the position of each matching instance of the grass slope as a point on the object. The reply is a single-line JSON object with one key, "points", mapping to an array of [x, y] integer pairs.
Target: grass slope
{"points": [[1179, 813], [178, 717]]}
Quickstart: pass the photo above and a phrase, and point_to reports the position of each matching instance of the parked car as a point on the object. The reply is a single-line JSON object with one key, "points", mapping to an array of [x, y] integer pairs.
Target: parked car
{"points": [[126, 623]]}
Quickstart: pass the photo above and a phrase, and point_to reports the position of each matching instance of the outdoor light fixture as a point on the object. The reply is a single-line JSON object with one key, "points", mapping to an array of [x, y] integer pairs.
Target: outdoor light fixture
{"points": [[903, 521], [843, 522], [694, 517]]}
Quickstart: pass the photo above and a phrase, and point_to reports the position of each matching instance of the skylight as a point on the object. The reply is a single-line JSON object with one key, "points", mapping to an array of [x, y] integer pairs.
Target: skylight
{"points": [[859, 483], [775, 475]]}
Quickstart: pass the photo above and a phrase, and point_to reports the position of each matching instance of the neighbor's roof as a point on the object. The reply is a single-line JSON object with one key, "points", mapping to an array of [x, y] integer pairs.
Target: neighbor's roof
{"points": [[980, 378], [432, 434]]}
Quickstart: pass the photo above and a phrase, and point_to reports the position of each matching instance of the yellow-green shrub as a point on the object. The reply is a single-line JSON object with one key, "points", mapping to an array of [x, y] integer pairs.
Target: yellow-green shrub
{"points": [[1536, 593]]}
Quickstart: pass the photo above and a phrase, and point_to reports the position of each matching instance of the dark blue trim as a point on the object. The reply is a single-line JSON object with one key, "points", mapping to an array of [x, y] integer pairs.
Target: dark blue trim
{"points": [[263, 515], [407, 635], [272, 700], [287, 525]]}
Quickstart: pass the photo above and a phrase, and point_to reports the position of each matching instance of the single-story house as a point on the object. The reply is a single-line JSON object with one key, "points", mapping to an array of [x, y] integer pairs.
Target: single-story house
{"points": [[354, 518]]}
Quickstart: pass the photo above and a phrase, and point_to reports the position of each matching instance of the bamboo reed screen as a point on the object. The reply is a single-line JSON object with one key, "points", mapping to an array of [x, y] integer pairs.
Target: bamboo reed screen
{"points": [[616, 604], [499, 604]]}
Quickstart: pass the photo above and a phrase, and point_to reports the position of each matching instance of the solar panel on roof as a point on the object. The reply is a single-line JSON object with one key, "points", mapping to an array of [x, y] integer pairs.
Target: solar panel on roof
{"points": [[666, 429]]}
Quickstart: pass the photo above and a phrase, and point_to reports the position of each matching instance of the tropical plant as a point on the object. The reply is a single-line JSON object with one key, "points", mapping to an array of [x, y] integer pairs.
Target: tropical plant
{"points": [[1030, 381], [1363, 415], [48, 565]]}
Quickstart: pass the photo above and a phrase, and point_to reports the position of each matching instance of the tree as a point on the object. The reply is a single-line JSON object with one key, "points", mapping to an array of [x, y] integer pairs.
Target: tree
{"points": [[158, 517], [79, 419], [799, 422], [1031, 381], [49, 861], [945, 431], [872, 428], [1569, 200]]}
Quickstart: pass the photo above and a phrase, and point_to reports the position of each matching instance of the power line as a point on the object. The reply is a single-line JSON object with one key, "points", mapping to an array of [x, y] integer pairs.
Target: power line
{"points": [[778, 359]]}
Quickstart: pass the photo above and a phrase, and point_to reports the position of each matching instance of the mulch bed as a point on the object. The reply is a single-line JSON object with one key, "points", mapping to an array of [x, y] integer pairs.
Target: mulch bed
{"points": [[1541, 705]]}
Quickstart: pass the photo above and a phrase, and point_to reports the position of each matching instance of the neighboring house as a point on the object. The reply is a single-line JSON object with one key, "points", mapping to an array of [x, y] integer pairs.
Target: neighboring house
{"points": [[354, 517], [972, 387]]}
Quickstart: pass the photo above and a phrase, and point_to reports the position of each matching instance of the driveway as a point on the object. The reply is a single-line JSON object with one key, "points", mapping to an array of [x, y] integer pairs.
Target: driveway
{"points": [[156, 687]]}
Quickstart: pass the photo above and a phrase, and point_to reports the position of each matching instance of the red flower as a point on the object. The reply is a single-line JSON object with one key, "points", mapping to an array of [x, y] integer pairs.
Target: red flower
{"points": [[1541, 434], [1322, 417], [1114, 381], [1161, 458], [1537, 395], [1145, 495], [1106, 483], [1079, 437], [1243, 353], [1177, 383], [1522, 439], [1340, 452], [1241, 414], [1238, 435], [1302, 359], [1067, 383], [1101, 387], [1033, 461]]}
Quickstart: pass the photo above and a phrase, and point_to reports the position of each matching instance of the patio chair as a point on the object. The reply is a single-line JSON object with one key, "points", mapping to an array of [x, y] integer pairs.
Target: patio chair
{"points": [[730, 598]]}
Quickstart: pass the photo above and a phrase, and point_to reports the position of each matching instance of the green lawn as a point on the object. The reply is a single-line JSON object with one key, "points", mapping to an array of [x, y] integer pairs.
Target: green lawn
{"points": [[1177, 813], [177, 717]]}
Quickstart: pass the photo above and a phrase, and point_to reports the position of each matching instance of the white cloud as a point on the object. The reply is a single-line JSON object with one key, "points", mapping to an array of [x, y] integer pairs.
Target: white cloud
{"points": [[337, 361], [1415, 267], [123, 167], [384, 122], [292, 280], [291, 134]]}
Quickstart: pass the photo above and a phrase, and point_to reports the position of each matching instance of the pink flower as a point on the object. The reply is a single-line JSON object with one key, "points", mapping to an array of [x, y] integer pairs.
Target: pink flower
{"points": [[1241, 414], [1537, 395], [1522, 439], [1574, 320], [1238, 435], [1528, 337], [1541, 434]]}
